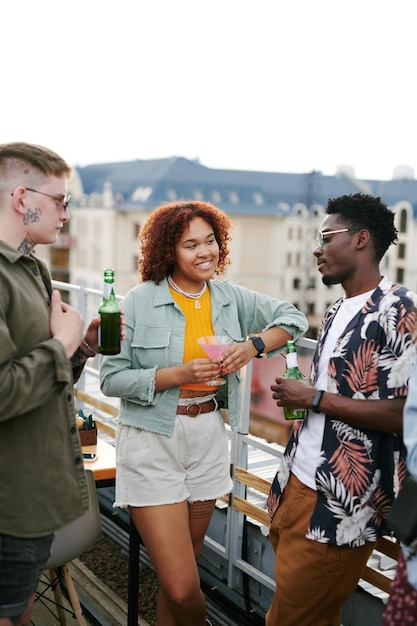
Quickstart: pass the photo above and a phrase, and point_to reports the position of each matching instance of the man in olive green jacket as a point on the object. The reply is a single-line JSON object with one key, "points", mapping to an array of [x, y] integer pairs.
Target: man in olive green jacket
{"points": [[42, 351]]}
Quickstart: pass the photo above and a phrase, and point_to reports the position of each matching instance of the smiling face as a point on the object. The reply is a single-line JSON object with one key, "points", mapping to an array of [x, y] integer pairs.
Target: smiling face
{"points": [[196, 256]]}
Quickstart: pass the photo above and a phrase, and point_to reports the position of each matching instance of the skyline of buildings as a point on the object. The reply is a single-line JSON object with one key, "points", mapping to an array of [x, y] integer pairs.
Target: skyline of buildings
{"points": [[276, 221]]}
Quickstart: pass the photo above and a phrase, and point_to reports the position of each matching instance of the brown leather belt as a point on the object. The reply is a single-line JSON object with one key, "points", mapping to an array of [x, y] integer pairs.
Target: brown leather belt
{"points": [[194, 409]]}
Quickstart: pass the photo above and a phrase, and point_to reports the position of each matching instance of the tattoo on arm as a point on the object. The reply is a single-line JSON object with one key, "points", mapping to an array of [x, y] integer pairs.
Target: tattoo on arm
{"points": [[78, 358]]}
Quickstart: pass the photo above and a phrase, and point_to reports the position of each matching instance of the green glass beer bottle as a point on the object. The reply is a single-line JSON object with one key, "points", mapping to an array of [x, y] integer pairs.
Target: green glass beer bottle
{"points": [[293, 371], [109, 330]]}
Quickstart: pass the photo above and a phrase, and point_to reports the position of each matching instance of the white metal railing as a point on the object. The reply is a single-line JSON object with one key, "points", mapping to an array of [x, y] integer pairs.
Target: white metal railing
{"points": [[243, 445], [86, 300], [241, 442]]}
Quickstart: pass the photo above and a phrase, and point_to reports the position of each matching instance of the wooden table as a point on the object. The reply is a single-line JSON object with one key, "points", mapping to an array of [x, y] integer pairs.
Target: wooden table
{"points": [[104, 468]]}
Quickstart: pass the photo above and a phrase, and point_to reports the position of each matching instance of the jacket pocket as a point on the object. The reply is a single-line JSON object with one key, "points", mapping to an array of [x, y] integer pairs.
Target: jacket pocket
{"points": [[150, 346]]}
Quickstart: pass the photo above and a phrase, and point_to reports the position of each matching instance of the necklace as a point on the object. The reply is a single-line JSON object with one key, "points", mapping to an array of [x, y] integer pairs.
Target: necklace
{"points": [[193, 296]]}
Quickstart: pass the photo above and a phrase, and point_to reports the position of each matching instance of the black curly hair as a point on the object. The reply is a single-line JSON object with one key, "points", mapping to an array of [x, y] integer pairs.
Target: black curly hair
{"points": [[164, 228], [360, 211]]}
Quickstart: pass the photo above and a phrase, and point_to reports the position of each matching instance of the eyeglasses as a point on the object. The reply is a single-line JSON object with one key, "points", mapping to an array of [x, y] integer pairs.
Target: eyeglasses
{"points": [[64, 200], [323, 237]]}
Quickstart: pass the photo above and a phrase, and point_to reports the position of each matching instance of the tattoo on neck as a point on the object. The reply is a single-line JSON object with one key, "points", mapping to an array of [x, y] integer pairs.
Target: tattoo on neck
{"points": [[31, 216], [26, 246]]}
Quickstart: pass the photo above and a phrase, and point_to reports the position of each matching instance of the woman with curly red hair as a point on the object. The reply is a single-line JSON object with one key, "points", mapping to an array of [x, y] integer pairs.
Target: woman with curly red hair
{"points": [[171, 444]]}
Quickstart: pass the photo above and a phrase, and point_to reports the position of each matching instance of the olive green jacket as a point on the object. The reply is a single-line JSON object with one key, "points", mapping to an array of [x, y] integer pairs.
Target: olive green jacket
{"points": [[42, 480]]}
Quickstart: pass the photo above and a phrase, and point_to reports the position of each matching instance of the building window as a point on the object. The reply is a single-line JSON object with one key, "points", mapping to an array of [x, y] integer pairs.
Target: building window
{"points": [[296, 283], [400, 275], [258, 198], [198, 194], [141, 194], [284, 207], [136, 230], [311, 308], [97, 229], [403, 221], [216, 197], [313, 332], [401, 250], [316, 210], [233, 197], [96, 258]]}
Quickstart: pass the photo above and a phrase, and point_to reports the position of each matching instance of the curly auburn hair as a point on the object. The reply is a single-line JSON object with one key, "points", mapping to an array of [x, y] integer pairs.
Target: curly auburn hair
{"points": [[164, 228]]}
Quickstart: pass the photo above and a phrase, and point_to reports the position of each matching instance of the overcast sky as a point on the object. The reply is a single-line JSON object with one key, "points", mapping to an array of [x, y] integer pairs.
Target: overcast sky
{"points": [[269, 85]]}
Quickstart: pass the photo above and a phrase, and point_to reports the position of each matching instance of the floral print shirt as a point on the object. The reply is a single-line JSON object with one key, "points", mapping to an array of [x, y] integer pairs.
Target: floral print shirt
{"points": [[360, 470]]}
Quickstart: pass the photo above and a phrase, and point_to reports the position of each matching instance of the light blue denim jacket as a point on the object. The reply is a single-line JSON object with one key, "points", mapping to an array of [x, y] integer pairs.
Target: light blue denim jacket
{"points": [[155, 327], [410, 441]]}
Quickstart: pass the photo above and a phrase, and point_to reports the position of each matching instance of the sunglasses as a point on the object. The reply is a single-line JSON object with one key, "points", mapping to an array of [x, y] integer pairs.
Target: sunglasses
{"points": [[323, 237]]}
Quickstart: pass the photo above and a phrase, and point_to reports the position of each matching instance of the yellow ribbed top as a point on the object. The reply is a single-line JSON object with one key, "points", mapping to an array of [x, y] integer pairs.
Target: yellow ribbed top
{"points": [[197, 324]]}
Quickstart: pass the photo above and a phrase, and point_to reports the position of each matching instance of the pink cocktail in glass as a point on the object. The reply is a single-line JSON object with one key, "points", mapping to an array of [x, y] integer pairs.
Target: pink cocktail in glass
{"points": [[214, 346]]}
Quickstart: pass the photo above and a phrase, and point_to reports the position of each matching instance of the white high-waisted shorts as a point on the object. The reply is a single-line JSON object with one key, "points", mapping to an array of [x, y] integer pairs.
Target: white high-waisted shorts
{"points": [[192, 464]]}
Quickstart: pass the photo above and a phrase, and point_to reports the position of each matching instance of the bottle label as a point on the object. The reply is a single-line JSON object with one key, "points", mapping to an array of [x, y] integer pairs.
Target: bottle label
{"points": [[107, 290], [292, 371], [291, 359]]}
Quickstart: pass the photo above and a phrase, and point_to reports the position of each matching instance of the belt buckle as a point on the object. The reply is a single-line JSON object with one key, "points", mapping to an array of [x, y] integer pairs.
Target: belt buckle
{"points": [[196, 410]]}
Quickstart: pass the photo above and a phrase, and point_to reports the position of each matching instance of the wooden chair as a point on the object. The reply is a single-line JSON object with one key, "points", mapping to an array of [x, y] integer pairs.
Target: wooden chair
{"points": [[68, 544]]}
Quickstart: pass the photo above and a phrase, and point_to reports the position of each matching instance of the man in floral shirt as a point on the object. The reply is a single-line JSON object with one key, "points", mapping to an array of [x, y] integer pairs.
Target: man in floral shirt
{"points": [[342, 467]]}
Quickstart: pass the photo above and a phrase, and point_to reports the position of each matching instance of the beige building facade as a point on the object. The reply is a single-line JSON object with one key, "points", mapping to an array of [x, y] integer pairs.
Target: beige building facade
{"points": [[270, 254]]}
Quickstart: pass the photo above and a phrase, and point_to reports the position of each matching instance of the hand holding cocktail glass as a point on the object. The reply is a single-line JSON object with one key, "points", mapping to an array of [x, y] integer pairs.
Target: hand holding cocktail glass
{"points": [[214, 346]]}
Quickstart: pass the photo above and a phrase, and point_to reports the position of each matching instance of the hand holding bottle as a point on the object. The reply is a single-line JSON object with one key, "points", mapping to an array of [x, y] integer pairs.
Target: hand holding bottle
{"points": [[292, 391], [289, 392], [293, 371], [92, 333]]}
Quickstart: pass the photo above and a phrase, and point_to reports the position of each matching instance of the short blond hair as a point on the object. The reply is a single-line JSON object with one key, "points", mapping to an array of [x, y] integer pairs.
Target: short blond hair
{"points": [[30, 161]]}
